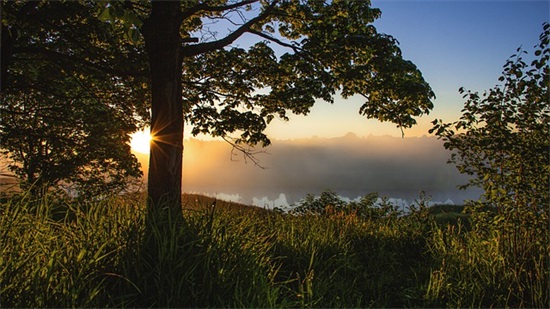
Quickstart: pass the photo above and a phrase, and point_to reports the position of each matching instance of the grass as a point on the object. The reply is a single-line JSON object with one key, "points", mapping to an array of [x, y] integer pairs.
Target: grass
{"points": [[505, 266], [450, 215], [56, 253]]}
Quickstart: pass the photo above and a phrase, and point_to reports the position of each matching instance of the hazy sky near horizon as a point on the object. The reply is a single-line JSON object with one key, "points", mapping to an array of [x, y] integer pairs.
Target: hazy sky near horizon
{"points": [[350, 165], [453, 43]]}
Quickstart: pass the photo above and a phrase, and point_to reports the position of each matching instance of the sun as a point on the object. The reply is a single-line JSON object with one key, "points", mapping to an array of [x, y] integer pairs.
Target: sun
{"points": [[140, 141]]}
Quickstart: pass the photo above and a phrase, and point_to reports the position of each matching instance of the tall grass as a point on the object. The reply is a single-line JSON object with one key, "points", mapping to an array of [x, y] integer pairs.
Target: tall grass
{"points": [[495, 265], [59, 254], [215, 260], [56, 253]]}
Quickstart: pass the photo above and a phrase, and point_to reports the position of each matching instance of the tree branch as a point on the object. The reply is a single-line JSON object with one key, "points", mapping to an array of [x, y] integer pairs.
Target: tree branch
{"points": [[298, 50], [307, 56], [399, 124], [220, 8], [270, 38], [248, 153], [196, 49]]}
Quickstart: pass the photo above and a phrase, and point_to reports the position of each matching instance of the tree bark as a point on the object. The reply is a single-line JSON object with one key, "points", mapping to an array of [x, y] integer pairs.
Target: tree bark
{"points": [[164, 47]]}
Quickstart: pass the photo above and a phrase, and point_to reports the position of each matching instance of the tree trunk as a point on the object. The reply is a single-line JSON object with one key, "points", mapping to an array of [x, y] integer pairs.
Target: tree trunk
{"points": [[163, 45]]}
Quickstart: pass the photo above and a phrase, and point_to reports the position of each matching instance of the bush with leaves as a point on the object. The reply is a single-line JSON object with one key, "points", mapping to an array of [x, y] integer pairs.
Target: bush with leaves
{"points": [[503, 136], [319, 205], [503, 141], [329, 203]]}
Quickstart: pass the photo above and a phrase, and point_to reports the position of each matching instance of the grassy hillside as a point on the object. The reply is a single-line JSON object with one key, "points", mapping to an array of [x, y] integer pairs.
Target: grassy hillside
{"points": [[60, 254], [203, 202]]}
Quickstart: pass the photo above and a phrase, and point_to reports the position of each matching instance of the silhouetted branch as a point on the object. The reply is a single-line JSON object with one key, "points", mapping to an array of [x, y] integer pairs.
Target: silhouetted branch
{"points": [[220, 8], [399, 124], [298, 50], [196, 49], [248, 153]]}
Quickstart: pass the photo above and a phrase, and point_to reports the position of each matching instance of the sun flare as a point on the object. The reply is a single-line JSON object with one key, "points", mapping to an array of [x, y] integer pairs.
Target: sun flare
{"points": [[140, 141]]}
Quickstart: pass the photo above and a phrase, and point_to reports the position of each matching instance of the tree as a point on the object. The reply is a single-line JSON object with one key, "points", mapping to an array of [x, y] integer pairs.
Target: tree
{"points": [[221, 89], [66, 107], [52, 148], [328, 200], [503, 137]]}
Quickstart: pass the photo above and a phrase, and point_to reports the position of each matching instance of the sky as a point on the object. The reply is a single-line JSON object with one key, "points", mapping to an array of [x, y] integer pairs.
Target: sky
{"points": [[453, 43]]}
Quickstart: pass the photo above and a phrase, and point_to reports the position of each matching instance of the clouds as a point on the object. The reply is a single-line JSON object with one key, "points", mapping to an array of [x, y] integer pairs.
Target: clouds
{"points": [[350, 165]]}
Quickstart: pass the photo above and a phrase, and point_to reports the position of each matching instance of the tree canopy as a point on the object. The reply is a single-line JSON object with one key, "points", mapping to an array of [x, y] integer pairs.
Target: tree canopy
{"points": [[71, 94]]}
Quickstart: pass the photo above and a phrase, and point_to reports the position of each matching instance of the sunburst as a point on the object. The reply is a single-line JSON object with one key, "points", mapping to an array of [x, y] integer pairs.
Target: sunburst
{"points": [[141, 141]]}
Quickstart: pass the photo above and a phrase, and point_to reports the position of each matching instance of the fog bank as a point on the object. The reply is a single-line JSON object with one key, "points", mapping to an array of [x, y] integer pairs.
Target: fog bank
{"points": [[350, 165]]}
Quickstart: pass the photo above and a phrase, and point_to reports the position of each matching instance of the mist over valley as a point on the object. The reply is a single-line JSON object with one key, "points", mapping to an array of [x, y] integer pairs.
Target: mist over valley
{"points": [[351, 166]]}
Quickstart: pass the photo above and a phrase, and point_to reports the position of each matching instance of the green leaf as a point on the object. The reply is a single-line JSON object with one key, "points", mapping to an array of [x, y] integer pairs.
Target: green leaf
{"points": [[81, 255], [105, 14]]}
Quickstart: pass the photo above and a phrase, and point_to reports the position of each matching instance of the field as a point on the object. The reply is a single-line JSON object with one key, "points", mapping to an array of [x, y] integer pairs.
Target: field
{"points": [[56, 253]]}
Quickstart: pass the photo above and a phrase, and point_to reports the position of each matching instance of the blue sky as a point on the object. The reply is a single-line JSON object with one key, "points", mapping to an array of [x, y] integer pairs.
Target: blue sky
{"points": [[453, 43]]}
